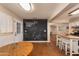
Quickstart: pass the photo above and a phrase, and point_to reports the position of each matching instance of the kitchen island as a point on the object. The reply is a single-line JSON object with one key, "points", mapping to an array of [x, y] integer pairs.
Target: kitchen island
{"points": [[70, 38]]}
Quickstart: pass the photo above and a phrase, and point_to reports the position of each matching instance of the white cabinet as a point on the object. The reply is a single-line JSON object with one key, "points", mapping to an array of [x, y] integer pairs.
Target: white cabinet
{"points": [[63, 28], [6, 23]]}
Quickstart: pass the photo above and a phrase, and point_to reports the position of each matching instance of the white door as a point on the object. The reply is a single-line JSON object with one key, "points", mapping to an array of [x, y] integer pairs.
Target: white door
{"points": [[18, 35]]}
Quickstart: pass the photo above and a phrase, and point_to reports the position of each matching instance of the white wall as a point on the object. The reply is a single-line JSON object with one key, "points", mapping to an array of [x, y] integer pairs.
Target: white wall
{"points": [[48, 31], [10, 38]]}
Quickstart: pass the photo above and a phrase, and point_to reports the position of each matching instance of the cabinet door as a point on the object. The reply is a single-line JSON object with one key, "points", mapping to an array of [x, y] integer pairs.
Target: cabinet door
{"points": [[5, 23]]}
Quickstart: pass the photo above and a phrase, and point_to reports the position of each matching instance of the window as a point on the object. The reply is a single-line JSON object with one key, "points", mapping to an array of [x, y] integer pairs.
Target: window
{"points": [[6, 23], [18, 28]]}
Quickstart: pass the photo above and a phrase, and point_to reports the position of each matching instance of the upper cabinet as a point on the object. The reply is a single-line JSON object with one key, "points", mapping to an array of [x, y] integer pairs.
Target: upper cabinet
{"points": [[63, 28], [6, 23]]}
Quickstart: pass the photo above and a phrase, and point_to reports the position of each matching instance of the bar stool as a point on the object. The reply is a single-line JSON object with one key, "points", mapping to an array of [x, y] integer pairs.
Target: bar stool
{"points": [[59, 42], [66, 44]]}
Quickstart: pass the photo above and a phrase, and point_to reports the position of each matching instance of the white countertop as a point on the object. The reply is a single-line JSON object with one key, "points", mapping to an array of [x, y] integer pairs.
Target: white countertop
{"points": [[69, 36]]}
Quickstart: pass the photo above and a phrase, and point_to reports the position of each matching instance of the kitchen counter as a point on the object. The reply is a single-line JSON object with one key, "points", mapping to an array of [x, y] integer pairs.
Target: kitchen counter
{"points": [[69, 36]]}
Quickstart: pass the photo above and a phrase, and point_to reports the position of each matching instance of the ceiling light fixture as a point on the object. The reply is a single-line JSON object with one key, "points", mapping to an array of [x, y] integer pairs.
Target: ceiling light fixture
{"points": [[26, 6], [76, 11]]}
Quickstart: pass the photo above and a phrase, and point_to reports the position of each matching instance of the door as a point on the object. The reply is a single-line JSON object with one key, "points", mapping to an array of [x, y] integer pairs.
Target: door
{"points": [[18, 35], [53, 32]]}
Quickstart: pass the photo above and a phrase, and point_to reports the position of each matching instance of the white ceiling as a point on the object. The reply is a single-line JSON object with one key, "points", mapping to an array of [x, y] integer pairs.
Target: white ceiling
{"points": [[64, 14], [41, 10]]}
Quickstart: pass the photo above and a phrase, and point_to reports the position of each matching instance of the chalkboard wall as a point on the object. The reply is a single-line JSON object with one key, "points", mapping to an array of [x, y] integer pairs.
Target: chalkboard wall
{"points": [[35, 30]]}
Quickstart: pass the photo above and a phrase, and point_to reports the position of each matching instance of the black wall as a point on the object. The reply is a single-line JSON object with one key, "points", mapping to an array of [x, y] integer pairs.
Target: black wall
{"points": [[35, 30]]}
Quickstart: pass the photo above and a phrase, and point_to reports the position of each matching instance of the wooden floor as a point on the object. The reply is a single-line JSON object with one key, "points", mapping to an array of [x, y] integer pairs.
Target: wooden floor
{"points": [[46, 49], [39, 49]]}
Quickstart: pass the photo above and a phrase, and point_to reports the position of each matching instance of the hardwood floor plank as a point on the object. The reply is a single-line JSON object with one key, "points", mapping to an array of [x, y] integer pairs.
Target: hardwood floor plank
{"points": [[46, 49]]}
